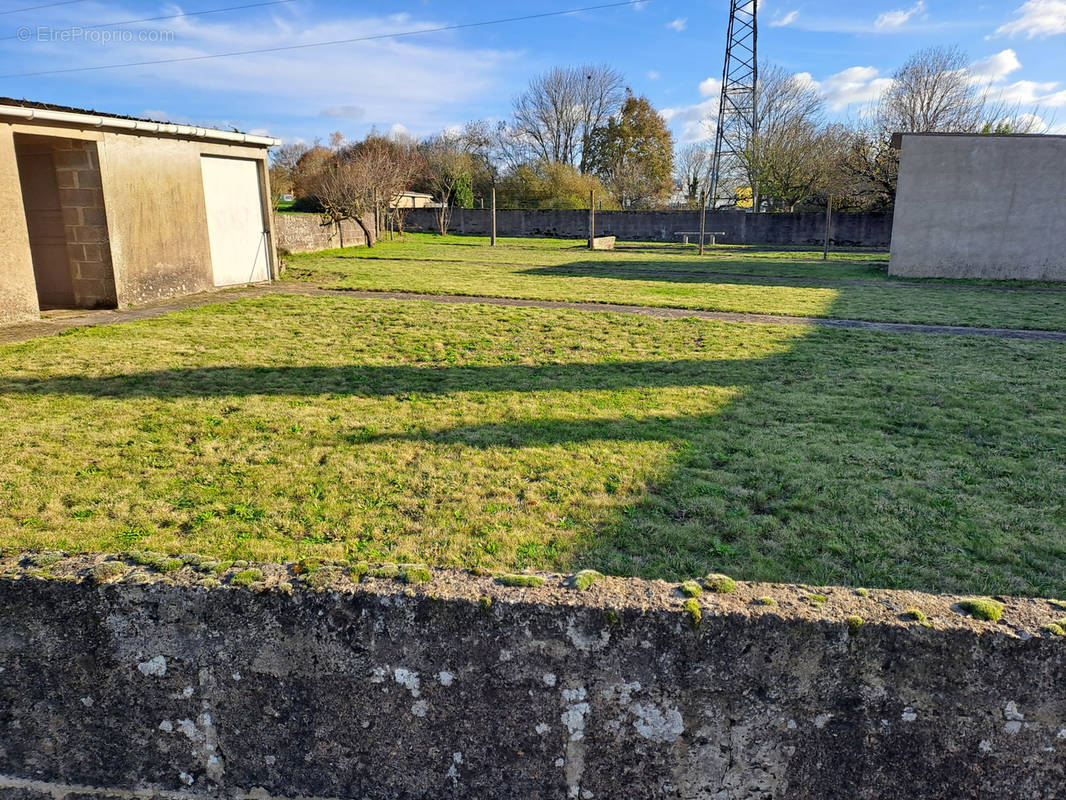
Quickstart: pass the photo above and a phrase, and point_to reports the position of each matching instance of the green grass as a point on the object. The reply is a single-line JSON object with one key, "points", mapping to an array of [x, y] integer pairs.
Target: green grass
{"points": [[851, 285], [529, 439]]}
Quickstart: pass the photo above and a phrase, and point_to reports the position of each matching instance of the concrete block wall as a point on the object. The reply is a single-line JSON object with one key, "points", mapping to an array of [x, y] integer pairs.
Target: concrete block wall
{"points": [[847, 230], [305, 233], [85, 220], [118, 682]]}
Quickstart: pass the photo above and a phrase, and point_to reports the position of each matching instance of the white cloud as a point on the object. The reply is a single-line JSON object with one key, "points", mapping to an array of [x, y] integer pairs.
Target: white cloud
{"points": [[435, 79], [788, 19], [678, 24], [891, 20], [1037, 18], [343, 112], [852, 85], [653, 75], [996, 67], [710, 87], [695, 123]]}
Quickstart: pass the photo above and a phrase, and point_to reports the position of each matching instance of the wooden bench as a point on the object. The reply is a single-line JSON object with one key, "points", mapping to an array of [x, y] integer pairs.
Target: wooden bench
{"points": [[686, 234]]}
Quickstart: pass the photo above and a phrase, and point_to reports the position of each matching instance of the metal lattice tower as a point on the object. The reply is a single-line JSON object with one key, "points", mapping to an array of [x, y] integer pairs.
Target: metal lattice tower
{"points": [[738, 118]]}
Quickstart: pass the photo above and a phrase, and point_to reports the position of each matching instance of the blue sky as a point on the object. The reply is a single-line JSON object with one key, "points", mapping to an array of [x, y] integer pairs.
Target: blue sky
{"points": [[670, 50]]}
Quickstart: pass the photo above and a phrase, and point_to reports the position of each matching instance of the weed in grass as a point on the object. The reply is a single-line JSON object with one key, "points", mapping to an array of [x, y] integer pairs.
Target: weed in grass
{"points": [[917, 615], [323, 578], [357, 570], [484, 603], [719, 584], [611, 617], [764, 601], [862, 592], [45, 560], [107, 571], [527, 581], [157, 561], [816, 600], [415, 573], [247, 577], [691, 589], [1054, 629], [285, 587], [695, 615], [990, 610], [388, 571], [855, 622], [584, 579], [209, 582]]}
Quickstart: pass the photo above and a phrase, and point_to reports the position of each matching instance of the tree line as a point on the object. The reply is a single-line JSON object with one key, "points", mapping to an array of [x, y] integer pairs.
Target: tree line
{"points": [[578, 130]]}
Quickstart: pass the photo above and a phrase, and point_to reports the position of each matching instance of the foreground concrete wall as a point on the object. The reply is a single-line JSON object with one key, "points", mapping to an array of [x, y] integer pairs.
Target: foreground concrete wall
{"points": [[981, 207], [461, 687], [848, 230], [18, 292]]}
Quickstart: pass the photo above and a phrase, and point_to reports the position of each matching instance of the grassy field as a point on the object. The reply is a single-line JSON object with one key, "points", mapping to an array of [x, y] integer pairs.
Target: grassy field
{"points": [[284, 427], [852, 285]]}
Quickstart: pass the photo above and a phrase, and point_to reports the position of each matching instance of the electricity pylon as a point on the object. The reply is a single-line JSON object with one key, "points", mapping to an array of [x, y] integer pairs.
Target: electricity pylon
{"points": [[738, 117]]}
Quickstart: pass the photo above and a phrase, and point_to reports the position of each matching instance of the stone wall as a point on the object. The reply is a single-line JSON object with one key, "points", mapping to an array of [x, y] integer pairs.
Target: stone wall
{"points": [[85, 220], [121, 682], [979, 206], [305, 233], [848, 230]]}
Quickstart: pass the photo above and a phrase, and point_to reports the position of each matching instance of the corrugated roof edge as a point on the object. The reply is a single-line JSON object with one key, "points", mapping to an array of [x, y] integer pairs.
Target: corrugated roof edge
{"points": [[26, 109]]}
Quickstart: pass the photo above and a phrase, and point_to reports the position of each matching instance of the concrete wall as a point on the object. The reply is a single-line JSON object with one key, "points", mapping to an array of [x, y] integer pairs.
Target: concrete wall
{"points": [[860, 230], [981, 207], [461, 687], [305, 233], [157, 219], [18, 293], [152, 224]]}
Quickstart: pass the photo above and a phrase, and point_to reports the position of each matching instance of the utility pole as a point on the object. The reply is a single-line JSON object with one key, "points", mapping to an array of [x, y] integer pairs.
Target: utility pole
{"points": [[828, 226], [592, 219], [492, 241], [738, 118], [703, 218]]}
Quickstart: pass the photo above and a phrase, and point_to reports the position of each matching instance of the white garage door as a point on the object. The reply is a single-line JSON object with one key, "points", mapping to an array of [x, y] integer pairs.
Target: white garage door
{"points": [[239, 250]]}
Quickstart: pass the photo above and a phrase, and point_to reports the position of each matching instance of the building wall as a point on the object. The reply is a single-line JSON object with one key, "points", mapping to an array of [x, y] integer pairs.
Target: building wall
{"points": [[134, 198], [154, 192], [848, 230], [981, 207], [18, 293]]}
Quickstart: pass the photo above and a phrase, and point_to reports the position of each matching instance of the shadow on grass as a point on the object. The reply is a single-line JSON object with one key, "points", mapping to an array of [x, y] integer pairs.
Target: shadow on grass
{"points": [[373, 381], [859, 459]]}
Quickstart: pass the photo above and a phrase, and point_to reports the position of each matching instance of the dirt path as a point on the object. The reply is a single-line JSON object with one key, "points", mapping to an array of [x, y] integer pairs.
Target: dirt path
{"points": [[57, 322]]}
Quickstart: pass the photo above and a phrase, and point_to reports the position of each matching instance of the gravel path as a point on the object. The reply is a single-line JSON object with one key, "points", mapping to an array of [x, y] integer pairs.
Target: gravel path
{"points": [[57, 322]]}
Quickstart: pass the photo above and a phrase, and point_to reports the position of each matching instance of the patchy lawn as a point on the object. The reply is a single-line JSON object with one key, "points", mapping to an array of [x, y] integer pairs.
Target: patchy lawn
{"points": [[852, 285], [285, 427]]}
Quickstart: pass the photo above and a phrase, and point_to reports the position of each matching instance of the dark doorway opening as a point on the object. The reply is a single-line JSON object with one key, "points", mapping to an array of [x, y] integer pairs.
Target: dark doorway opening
{"points": [[63, 200]]}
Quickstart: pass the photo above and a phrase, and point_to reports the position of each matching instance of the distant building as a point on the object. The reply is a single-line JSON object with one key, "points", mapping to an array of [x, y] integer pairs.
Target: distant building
{"points": [[103, 211], [414, 200]]}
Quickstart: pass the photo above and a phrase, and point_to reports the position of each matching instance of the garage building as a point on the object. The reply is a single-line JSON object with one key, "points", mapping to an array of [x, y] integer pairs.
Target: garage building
{"points": [[106, 211]]}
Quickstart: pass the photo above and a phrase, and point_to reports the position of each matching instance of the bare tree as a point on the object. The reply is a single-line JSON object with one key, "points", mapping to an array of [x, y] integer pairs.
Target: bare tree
{"points": [[692, 170], [933, 92], [555, 116], [284, 162], [448, 164], [783, 159], [386, 167], [339, 186]]}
